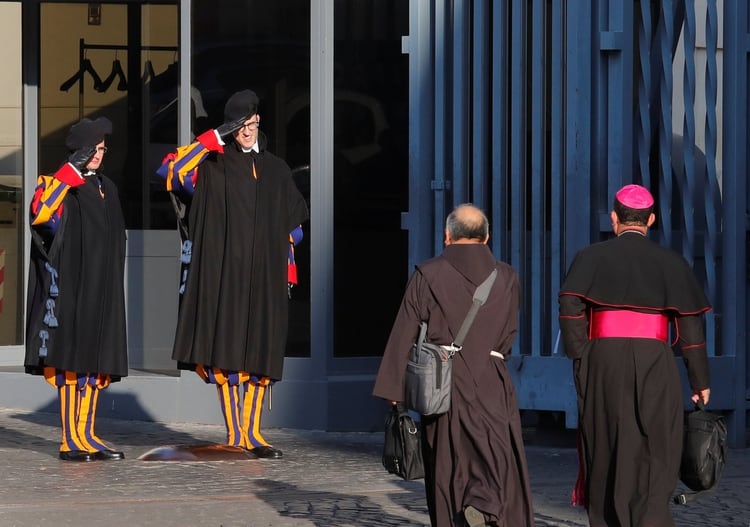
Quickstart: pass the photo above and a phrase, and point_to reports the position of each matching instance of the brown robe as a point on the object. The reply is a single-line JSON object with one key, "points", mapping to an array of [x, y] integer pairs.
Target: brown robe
{"points": [[474, 453]]}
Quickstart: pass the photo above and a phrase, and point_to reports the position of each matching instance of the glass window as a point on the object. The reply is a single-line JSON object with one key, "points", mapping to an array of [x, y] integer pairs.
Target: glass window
{"points": [[102, 59], [371, 175], [265, 47], [106, 64], [124, 64], [12, 208]]}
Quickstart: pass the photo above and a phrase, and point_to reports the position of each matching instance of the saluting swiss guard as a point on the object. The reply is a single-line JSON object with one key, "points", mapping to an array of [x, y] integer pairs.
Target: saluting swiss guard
{"points": [[242, 218], [75, 326]]}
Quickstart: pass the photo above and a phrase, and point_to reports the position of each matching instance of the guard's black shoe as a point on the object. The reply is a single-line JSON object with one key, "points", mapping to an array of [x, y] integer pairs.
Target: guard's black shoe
{"points": [[266, 452], [76, 455], [108, 455]]}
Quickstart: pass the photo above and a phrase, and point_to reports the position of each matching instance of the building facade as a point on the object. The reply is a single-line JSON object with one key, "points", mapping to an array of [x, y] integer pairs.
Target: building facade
{"points": [[389, 113]]}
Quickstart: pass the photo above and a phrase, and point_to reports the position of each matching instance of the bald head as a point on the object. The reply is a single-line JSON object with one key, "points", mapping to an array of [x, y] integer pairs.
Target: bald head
{"points": [[466, 224]]}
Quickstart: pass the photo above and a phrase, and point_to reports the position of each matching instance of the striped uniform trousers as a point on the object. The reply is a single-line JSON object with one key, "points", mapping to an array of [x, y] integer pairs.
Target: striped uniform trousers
{"points": [[78, 395], [241, 401]]}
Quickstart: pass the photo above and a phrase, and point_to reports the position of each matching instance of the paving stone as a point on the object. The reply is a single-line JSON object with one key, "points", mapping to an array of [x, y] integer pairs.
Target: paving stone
{"points": [[326, 479]]}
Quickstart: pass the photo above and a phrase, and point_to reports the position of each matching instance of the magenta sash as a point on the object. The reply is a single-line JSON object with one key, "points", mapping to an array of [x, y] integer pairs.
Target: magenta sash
{"points": [[628, 324]]}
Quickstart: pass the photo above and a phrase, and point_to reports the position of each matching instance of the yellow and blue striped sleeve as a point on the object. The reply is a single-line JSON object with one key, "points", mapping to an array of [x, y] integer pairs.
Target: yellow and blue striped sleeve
{"points": [[46, 205], [179, 168]]}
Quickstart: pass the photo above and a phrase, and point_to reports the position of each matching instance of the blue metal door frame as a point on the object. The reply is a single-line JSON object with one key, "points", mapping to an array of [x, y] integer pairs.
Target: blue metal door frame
{"points": [[734, 215], [539, 110]]}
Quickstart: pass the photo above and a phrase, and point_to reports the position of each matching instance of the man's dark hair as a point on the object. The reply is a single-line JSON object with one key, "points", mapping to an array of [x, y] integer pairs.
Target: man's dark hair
{"points": [[628, 216], [461, 224]]}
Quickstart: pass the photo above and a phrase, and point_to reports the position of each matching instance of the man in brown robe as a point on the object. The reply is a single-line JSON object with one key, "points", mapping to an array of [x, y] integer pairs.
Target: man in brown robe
{"points": [[475, 463], [616, 304]]}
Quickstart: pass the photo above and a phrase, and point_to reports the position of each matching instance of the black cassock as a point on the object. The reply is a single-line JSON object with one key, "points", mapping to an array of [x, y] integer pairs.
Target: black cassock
{"points": [[234, 310], [629, 395]]}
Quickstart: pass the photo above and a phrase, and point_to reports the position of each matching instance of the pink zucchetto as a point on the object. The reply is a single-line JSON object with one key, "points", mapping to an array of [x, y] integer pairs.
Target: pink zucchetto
{"points": [[635, 197]]}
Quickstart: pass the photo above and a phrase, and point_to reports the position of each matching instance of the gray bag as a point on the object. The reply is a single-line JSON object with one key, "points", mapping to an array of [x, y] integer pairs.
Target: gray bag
{"points": [[428, 370], [428, 376]]}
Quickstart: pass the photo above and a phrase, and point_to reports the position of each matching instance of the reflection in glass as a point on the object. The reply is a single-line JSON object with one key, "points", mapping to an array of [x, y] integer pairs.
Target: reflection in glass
{"points": [[12, 256], [370, 172], [265, 47]]}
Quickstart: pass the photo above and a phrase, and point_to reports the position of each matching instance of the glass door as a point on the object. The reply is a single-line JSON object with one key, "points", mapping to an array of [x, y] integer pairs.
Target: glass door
{"points": [[12, 216], [265, 47], [104, 60]]}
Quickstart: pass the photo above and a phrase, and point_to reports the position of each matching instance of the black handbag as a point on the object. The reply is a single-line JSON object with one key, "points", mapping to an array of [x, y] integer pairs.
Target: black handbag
{"points": [[402, 451], [704, 452]]}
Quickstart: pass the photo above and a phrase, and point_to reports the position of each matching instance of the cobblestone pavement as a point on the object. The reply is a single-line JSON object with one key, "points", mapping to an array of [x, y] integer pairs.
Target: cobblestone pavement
{"points": [[324, 479]]}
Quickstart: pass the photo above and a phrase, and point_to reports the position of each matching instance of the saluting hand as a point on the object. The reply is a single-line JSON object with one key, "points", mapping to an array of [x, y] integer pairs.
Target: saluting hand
{"points": [[231, 127], [81, 157]]}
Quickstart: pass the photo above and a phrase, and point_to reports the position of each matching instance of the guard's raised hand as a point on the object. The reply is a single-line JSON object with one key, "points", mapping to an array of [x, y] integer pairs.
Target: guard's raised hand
{"points": [[231, 127], [81, 157]]}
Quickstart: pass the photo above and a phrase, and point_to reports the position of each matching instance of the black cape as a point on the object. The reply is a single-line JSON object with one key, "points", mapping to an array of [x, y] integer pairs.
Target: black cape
{"points": [[634, 271], [474, 453], [233, 313], [88, 254], [629, 393]]}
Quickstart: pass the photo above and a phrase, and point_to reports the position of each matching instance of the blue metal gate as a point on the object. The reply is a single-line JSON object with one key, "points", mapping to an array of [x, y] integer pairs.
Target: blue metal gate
{"points": [[539, 110]]}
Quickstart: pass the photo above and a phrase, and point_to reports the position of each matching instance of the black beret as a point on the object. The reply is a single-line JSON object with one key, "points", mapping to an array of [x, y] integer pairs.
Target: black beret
{"points": [[242, 104], [88, 133]]}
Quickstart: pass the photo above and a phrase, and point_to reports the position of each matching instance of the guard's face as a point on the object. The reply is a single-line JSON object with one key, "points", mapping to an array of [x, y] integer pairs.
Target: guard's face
{"points": [[96, 161], [248, 134]]}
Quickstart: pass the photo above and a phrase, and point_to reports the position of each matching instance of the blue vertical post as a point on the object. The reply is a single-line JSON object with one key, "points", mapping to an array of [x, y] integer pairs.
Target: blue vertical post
{"points": [[578, 138], [441, 182], [418, 45], [556, 267], [460, 93], [664, 205], [537, 230], [499, 152], [734, 180], [687, 177], [518, 139], [616, 42], [643, 133], [712, 199], [481, 108]]}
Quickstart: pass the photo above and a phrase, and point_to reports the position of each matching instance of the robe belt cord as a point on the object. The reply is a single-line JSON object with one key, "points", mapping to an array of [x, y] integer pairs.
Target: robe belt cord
{"points": [[628, 324]]}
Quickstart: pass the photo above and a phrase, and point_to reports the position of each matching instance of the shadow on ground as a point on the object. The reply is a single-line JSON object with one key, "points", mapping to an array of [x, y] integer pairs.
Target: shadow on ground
{"points": [[116, 432], [330, 509]]}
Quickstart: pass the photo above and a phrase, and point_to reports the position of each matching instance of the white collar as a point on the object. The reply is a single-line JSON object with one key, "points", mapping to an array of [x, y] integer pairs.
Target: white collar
{"points": [[633, 231], [253, 148]]}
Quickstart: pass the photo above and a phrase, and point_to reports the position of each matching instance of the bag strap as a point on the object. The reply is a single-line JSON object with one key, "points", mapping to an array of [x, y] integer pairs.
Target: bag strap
{"points": [[687, 497], [480, 297], [422, 333]]}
